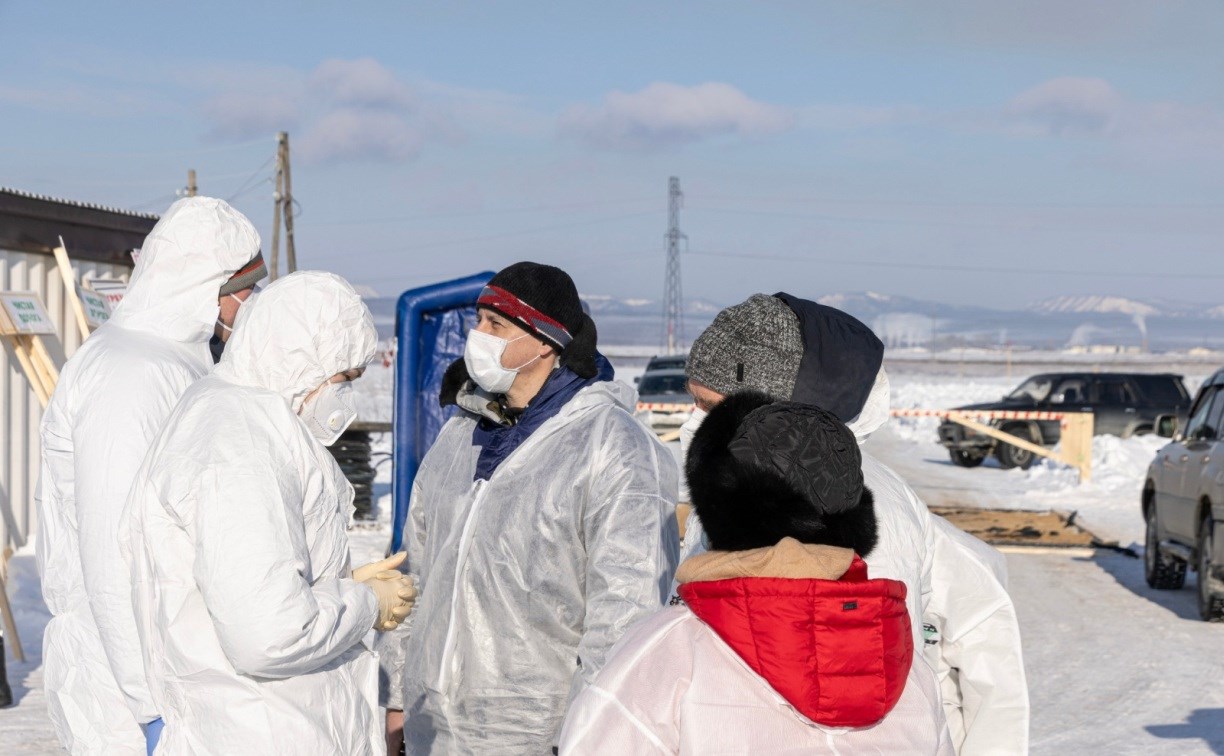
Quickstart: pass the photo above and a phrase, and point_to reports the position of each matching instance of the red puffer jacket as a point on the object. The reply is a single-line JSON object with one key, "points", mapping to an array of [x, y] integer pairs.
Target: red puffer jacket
{"points": [[839, 651]]}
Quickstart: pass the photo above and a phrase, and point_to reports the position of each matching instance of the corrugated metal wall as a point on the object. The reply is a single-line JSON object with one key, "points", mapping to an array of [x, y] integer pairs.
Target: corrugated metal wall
{"points": [[20, 412]]}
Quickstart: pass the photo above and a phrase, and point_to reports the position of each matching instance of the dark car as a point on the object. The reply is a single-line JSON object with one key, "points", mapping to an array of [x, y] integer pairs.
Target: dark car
{"points": [[1122, 404], [1183, 503], [663, 398], [666, 362]]}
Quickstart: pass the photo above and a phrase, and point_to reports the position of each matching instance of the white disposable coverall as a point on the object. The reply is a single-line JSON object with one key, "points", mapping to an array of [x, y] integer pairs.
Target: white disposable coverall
{"points": [[249, 619], [958, 585], [672, 686], [527, 579], [112, 398]]}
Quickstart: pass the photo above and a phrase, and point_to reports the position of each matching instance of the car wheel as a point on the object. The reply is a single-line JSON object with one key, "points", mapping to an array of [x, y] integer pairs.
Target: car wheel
{"points": [[962, 458], [1013, 456], [1210, 602], [1162, 573]]}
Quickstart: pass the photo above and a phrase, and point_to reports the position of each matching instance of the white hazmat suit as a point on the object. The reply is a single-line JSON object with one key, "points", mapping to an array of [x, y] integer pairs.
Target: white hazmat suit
{"points": [[249, 619], [111, 400], [958, 586], [528, 578]]}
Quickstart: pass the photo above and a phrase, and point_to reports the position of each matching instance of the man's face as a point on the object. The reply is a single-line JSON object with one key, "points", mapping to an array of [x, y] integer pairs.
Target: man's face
{"points": [[519, 351], [229, 305], [704, 397]]}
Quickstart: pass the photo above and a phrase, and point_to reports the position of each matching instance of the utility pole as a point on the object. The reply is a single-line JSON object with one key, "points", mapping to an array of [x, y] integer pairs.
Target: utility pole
{"points": [[290, 251], [274, 261], [191, 182], [673, 305], [282, 203]]}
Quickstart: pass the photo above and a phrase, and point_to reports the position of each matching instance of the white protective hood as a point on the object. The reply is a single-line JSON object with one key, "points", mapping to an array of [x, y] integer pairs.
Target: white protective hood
{"points": [[958, 586], [875, 412], [276, 342], [112, 398], [196, 246], [250, 623]]}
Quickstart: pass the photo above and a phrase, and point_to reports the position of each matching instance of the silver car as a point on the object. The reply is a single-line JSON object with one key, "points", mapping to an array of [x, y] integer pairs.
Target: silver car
{"points": [[1183, 502]]}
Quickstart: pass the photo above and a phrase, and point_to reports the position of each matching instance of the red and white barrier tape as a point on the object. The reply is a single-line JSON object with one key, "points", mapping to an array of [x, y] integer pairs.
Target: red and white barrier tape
{"points": [[661, 407], [991, 414]]}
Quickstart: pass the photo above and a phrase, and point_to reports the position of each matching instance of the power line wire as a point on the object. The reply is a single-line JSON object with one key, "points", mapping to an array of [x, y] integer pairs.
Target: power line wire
{"points": [[243, 187], [937, 222], [475, 213], [1030, 271], [970, 203], [138, 153], [506, 235]]}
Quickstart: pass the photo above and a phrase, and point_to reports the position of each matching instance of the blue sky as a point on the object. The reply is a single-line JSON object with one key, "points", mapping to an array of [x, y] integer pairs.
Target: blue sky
{"points": [[959, 151]]}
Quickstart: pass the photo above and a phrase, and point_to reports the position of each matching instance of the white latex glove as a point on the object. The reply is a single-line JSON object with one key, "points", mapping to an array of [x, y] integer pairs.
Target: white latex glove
{"points": [[395, 591]]}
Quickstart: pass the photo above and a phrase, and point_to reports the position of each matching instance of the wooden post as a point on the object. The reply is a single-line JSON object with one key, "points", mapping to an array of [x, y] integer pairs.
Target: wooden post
{"points": [[65, 269], [10, 624], [277, 196], [191, 182], [1077, 429], [290, 250]]}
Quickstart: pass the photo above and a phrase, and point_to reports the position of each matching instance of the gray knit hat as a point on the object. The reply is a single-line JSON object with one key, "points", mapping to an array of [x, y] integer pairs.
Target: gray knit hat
{"points": [[246, 277], [756, 344]]}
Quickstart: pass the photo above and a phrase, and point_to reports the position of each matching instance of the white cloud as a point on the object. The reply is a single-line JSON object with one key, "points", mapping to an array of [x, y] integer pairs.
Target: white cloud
{"points": [[668, 115], [343, 110], [363, 83], [1068, 106], [356, 134], [1092, 108]]}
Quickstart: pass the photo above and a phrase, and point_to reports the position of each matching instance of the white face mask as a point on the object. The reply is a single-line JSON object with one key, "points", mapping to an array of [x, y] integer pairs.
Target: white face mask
{"points": [[483, 354], [689, 429], [329, 412], [241, 302]]}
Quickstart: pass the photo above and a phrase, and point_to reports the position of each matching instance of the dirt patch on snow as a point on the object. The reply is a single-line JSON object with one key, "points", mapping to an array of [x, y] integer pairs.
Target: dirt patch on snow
{"points": [[1019, 527]]}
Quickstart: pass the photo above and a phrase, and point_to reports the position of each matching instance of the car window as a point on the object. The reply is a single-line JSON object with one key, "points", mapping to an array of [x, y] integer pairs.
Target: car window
{"points": [[1113, 391], [1070, 391], [1200, 414], [1034, 389], [1161, 390], [1215, 420], [662, 384]]}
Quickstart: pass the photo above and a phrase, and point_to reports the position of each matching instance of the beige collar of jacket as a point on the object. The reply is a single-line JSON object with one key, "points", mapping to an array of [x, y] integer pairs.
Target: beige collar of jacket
{"points": [[788, 559]]}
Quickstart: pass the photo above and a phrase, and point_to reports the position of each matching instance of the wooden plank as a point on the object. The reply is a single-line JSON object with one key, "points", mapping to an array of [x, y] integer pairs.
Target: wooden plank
{"points": [[65, 269], [27, 366], [10, 623], [1016, 441]]}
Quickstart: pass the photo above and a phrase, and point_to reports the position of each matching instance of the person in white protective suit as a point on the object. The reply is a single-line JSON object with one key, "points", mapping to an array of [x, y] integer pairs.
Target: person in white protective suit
{"points": [[196, 267], [801, 351], [541, 527], [250, 619], [783, 642]]}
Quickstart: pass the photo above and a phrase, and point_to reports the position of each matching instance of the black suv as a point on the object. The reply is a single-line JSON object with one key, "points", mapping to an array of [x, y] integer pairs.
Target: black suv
{"points": [[1123, 404]]}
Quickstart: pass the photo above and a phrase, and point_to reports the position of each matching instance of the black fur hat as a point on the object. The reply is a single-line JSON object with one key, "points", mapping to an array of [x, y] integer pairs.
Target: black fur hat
{"points": [[760, 471]]}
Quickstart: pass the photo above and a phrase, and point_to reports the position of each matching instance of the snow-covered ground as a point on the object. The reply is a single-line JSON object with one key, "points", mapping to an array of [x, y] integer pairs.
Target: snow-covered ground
{"points": [[1113, 667]]}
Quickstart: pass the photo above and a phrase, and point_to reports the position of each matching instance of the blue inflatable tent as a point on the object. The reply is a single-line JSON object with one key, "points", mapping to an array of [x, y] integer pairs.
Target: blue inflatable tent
{"points": [[431, 325]]}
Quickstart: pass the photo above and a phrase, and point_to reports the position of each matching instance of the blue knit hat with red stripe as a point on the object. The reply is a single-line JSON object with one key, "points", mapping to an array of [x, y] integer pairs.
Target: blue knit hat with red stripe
{"points": [[544, 301]]}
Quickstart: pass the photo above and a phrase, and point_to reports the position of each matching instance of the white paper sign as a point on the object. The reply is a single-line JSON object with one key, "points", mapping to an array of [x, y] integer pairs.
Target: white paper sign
{"points": [[112, 289], [97, 311], [25, 314]]}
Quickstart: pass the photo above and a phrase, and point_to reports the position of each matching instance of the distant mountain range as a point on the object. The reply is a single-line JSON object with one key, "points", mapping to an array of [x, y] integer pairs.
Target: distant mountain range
{"points": [[1059, 322]]}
